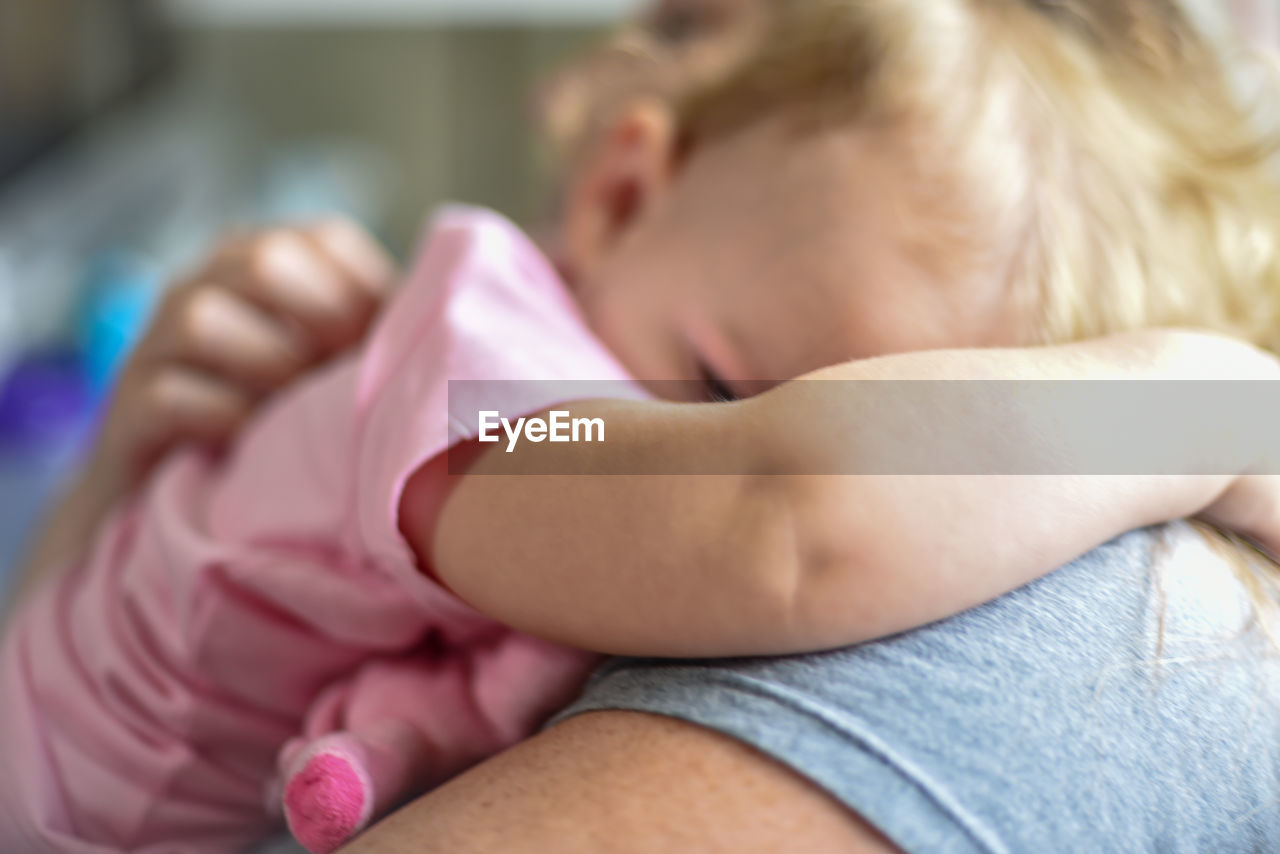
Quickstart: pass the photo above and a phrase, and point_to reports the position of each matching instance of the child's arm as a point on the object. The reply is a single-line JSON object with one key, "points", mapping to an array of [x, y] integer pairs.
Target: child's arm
{"points": [[759, 563]]}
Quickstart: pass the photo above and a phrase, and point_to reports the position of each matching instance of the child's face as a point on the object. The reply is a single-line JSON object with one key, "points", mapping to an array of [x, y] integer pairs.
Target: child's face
{"points": [[762, 256], [765, 254]]}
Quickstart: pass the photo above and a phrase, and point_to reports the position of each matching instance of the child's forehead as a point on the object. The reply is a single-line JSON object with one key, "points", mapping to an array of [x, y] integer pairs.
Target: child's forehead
{"points": [[820, 241], [806, 180]]}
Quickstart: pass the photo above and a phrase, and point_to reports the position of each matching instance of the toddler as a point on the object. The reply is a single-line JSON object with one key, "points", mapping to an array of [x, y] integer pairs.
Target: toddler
{"points": [[331, 617]]}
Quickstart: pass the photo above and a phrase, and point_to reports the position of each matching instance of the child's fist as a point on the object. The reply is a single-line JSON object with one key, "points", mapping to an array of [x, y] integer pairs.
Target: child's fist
{"points": [[1251, 508], [264, 308]]}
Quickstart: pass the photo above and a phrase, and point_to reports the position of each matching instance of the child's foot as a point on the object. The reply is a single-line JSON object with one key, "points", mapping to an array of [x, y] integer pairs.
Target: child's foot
{"points": [[336, 785], [329, 793]]}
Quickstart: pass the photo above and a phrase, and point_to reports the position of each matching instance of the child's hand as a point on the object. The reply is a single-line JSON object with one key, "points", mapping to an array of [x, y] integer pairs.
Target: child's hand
{"points": [[264, 308], [1250, 507]]}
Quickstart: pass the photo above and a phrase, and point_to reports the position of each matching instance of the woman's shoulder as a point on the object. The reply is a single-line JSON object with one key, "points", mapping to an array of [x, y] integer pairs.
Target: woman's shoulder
{"points": [[1129, 701]]}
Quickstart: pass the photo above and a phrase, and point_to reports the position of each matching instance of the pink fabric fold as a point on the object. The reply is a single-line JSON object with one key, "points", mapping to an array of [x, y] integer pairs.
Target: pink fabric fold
{"points": [[238, 603]]}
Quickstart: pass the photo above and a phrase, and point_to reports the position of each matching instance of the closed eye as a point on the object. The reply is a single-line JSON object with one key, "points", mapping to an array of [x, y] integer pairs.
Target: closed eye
{"points": [[716, 389]]}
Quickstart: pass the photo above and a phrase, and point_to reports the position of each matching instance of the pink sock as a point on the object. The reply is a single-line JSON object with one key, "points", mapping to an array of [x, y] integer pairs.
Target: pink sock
{"points": [[337, 784], [329, 796]]}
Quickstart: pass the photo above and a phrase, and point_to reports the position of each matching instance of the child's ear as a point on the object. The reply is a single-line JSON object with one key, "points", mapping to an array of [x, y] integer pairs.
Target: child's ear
{"points": [[624, 176]]}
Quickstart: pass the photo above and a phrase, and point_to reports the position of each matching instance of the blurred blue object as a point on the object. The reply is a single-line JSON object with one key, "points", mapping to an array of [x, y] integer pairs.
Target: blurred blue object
{"points": [[45, 414], [120, 295]]}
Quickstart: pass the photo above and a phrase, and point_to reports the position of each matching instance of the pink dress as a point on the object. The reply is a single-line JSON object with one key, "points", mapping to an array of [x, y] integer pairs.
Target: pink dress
{"points": [[236, 604]]}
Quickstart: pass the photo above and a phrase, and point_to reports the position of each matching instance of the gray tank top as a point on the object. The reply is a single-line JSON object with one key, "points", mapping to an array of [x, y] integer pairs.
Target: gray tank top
{"points": [[1129, 702]]}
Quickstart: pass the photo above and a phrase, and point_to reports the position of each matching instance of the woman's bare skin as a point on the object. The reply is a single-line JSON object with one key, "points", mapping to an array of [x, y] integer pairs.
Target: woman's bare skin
{"points": [[626, 783]]}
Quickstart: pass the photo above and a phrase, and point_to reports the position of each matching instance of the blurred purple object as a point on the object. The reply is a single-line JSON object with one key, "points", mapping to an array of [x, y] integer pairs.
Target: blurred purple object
{"points": [[45, 413], [44, 401]]}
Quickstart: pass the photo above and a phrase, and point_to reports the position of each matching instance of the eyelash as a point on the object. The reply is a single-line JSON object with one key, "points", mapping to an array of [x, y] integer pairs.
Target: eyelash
{"points": [[717, 389]]}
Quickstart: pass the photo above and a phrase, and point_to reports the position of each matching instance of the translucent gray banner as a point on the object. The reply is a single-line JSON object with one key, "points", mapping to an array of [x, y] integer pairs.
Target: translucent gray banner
{"points": [[878, 428]]}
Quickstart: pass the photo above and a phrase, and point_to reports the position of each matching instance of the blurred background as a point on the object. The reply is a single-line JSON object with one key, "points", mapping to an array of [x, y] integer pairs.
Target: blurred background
{"points": [[133, 132]]}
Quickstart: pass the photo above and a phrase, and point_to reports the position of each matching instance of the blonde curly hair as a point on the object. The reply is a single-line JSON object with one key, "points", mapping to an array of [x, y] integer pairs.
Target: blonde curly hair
{"points": [[1103, 138], [1104, 155]]}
